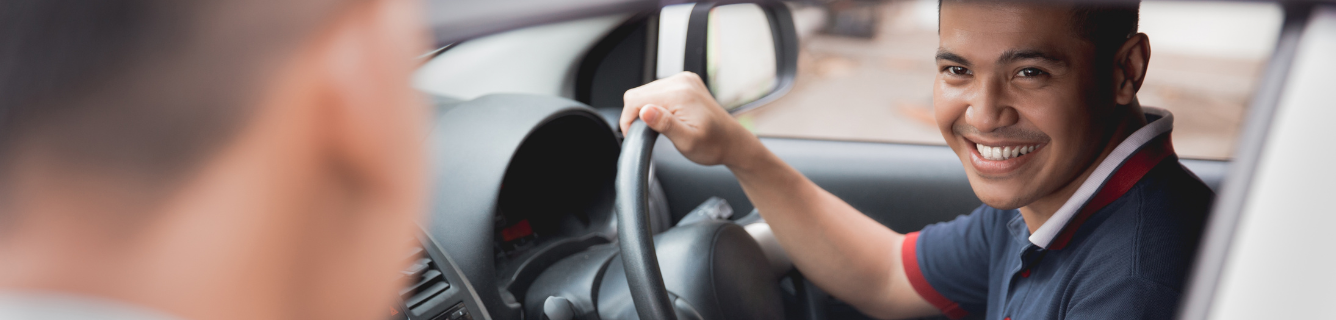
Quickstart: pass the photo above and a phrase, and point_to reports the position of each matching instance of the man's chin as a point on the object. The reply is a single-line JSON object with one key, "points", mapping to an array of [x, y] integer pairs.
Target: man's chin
{"points": [[999, 195], [1003, 205]]}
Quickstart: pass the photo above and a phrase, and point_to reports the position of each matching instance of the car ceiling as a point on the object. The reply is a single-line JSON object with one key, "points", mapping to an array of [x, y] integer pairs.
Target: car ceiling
{"points": [[455, 20]]}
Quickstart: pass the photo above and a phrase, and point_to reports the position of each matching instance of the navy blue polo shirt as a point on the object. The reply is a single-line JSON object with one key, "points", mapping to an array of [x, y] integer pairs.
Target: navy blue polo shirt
{"points": [[1120, 248]]}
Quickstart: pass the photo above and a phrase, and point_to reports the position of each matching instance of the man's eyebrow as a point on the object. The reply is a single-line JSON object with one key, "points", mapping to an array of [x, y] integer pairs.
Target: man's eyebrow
{"points": [[1017, 55], [948, 56]]}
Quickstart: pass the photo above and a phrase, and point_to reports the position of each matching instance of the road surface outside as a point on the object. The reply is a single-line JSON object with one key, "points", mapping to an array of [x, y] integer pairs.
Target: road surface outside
{"points": [[1205, 62]]}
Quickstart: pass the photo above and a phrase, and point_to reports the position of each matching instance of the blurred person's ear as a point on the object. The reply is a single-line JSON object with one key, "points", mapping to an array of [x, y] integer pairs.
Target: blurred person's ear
{"points": [[370, 126], [374, 114], [1130, 65]]}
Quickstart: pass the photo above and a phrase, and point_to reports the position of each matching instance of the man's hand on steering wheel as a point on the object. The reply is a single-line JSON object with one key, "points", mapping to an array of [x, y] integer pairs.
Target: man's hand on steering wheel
{"points": [[681, 108]]}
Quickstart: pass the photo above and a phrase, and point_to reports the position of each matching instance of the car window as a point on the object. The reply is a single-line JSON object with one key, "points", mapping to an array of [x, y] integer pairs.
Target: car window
{"points": [[866, 70]]}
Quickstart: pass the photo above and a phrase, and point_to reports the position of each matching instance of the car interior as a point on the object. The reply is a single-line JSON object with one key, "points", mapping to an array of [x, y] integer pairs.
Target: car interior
{"points": [[542, 209]]}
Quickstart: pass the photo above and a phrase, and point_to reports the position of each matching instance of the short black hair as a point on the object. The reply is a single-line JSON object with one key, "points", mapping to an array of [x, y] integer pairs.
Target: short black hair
{"points": [[1106, 24], [141, 88]]}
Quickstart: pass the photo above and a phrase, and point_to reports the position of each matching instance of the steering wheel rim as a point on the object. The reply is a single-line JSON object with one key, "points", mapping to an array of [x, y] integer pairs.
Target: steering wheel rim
{"points": [[634, 236]]}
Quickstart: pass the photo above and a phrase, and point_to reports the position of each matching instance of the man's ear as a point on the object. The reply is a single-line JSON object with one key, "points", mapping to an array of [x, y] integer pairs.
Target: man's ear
{"points": [[1129, 68], [372, 117]]}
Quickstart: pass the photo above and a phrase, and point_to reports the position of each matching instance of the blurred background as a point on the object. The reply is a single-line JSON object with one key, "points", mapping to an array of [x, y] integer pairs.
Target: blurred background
{"points": [[866, 71]]}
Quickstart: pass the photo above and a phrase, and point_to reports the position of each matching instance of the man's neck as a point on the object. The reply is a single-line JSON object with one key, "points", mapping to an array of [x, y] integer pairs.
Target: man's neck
{"points": [[220, 236], [152, 266], [1038, 212]]}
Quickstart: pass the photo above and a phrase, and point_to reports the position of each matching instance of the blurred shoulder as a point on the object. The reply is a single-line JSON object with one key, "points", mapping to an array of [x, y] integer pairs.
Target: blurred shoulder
{"points": [[54, 306]]}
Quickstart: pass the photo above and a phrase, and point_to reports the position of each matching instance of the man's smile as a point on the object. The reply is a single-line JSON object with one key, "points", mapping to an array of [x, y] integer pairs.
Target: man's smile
{"points": [[1000, 153], [997, 159]]}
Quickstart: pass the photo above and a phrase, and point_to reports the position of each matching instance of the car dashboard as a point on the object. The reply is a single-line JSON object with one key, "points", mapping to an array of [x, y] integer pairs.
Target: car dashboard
{"points": [[522, 181]]}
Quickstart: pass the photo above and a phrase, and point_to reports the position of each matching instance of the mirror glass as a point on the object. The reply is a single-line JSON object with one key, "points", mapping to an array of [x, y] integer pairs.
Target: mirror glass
{"points": [[740, 54]]}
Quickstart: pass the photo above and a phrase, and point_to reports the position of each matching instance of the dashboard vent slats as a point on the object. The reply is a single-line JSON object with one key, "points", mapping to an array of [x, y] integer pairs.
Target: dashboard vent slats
{"points": [[425, 281]]}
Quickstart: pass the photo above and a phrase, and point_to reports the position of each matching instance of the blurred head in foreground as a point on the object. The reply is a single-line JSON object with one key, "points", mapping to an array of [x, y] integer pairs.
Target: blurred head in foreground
{"points": [[210, 159]]}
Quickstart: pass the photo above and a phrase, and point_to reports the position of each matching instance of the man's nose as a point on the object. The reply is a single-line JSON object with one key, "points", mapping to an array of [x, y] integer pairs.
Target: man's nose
{"points": [[990, 108]]}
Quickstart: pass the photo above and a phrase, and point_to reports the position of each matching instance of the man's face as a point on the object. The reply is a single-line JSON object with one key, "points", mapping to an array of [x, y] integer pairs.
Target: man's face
{"points": [[1016, 77]]}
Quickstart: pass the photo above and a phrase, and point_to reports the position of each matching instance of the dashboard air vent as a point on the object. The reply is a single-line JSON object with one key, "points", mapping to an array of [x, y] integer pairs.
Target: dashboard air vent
{"points": [[425, 282]]}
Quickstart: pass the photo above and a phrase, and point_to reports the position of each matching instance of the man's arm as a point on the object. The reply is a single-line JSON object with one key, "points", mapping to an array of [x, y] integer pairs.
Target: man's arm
{"points": [[841, 250]]}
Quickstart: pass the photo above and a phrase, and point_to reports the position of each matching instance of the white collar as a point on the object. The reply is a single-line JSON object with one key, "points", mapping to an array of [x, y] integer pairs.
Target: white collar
{"points": [[1043, 236]]}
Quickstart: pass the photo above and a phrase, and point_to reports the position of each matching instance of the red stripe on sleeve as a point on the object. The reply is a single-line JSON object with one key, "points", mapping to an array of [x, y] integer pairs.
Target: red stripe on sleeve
{"points": [[909, 257]]}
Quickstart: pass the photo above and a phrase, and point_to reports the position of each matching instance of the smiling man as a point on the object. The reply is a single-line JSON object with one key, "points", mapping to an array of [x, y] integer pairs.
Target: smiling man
{"points": [[1087, 212]]}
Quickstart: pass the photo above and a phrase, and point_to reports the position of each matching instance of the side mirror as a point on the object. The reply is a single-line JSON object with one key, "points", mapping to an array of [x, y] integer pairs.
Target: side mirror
{"points": [[746, 53]]}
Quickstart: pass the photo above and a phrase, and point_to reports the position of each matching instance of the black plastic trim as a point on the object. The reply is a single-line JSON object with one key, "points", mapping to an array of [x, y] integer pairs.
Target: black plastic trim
{"points": [[584, 77], [697, 37], [650, 73], [460, 293], [518, 278]]}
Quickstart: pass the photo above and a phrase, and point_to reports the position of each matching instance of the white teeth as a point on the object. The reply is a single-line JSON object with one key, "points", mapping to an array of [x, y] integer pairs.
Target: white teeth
{"points": [[1003, 153]]}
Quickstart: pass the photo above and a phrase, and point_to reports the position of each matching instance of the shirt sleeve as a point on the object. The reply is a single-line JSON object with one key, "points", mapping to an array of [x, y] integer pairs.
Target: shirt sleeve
{"points": [[947, 263], [1129, 298]]}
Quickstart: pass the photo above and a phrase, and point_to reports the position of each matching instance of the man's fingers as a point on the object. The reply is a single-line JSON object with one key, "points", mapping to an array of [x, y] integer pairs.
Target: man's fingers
{"points": [[690, 78], [678, 90], [629, 115], [657, 118]]}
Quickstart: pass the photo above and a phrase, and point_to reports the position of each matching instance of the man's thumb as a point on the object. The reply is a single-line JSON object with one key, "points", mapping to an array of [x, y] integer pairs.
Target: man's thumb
{"points": [[657, 118]]}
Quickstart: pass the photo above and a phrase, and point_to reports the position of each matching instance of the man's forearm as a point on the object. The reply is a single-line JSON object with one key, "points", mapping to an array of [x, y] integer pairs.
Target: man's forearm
{"points": [[843, 251], [840, 249]]}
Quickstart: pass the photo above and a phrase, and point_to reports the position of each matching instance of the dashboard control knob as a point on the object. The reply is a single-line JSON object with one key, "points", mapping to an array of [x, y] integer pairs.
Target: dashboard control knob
{"points": [[558, 308]]}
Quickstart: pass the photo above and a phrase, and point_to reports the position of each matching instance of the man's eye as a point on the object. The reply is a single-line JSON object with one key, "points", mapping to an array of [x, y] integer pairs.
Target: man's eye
{"points": [[957, 70], [1030, 72]]}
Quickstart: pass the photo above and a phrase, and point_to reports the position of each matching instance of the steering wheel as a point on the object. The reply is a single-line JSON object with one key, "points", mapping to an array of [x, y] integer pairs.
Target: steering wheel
{"points": [[634, 237]]}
